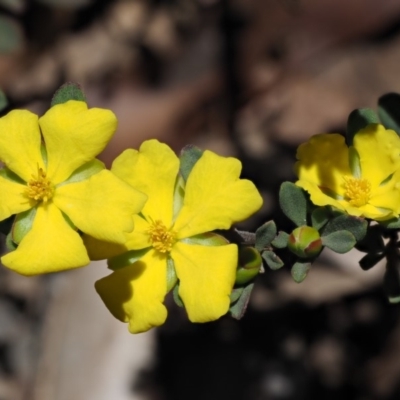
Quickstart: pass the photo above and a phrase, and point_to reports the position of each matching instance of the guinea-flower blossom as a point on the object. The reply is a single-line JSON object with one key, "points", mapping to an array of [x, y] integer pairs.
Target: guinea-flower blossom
{"points": [[166, 233], [363, 180], [53, 183]]}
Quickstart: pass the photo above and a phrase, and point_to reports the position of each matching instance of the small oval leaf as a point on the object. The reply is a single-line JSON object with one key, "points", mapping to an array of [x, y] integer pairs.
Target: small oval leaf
{"points": [[293, 202]]}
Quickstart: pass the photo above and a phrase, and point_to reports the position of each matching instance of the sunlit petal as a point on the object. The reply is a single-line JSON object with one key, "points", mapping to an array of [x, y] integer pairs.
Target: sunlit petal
{"points": [[101, 206], [215, 197], [206, 278], [51, 245], [74, 135], [379, 151], [13, 200], [20, 143], [152, 170]]}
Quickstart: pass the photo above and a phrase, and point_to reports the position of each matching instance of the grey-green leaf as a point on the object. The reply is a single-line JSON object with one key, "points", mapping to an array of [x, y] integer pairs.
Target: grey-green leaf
{"points": [[68, 91], [238, 309], [265, 234], [281, 241], [320, 217], [300, 270], [293, 202], [339, 241], [272, 260], [189, 156], [357, 226]]}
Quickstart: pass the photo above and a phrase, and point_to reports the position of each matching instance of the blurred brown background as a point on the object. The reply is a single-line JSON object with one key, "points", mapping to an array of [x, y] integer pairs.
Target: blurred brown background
{"points": [[249, 78]]}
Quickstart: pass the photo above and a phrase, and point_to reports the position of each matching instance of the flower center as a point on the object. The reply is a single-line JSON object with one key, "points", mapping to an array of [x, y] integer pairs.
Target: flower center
{"points": [[161, 238], [39, 188], [357, 191]]}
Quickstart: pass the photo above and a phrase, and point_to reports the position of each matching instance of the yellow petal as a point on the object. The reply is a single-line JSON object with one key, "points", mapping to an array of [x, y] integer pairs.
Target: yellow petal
{"points": [[379, 151], [375, 213], [387, 196], [136, 294], [101, 206], [323, 161], [153, 170], [206, 278], [139, 237], [318, 197], [20, 143], [13, 200], [100, 249], [51, 245], [74, 135], [215, 197]]}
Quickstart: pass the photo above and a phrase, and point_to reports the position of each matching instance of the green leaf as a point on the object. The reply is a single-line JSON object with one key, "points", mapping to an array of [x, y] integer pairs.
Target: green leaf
{"points": [[235, 295], [357, 226], [272, 260], [238, 309], [265, 234], [11, 38], [126, 259], [359, 119], [10, 244], [339, 241], [68, 91], [176, 297], [354, 162], [293, 202], [320, 217], [389, 111], [281, 241], [189, 156], [172, 278], [22, 224], [370, 260], [393, 223], [300, 270], [85, 171], [179, 194], [3, 101], [250, 263], [206, 239]]}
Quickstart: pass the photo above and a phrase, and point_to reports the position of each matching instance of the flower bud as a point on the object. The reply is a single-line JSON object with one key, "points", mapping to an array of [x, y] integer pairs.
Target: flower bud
{"points": [[305, 242], [250, 263]]}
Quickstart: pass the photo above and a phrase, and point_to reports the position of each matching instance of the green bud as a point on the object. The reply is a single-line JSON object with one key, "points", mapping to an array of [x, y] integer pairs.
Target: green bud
{"points": [[250, 263], [305, 242]]}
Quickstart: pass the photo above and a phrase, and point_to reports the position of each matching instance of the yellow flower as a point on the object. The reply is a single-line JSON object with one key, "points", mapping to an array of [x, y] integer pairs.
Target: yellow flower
{"points": [[363, 180], [59, 187], [166, 233]]}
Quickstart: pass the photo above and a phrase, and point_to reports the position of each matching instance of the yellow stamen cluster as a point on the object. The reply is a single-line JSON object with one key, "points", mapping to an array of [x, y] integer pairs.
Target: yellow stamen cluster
{"points": [[161, 238], [357, 191], [39, 188]]}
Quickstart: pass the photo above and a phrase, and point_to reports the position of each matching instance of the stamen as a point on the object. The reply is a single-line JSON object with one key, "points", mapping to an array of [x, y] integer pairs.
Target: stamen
{"points": [[39, 188], [357, 191], [161, 238]]}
